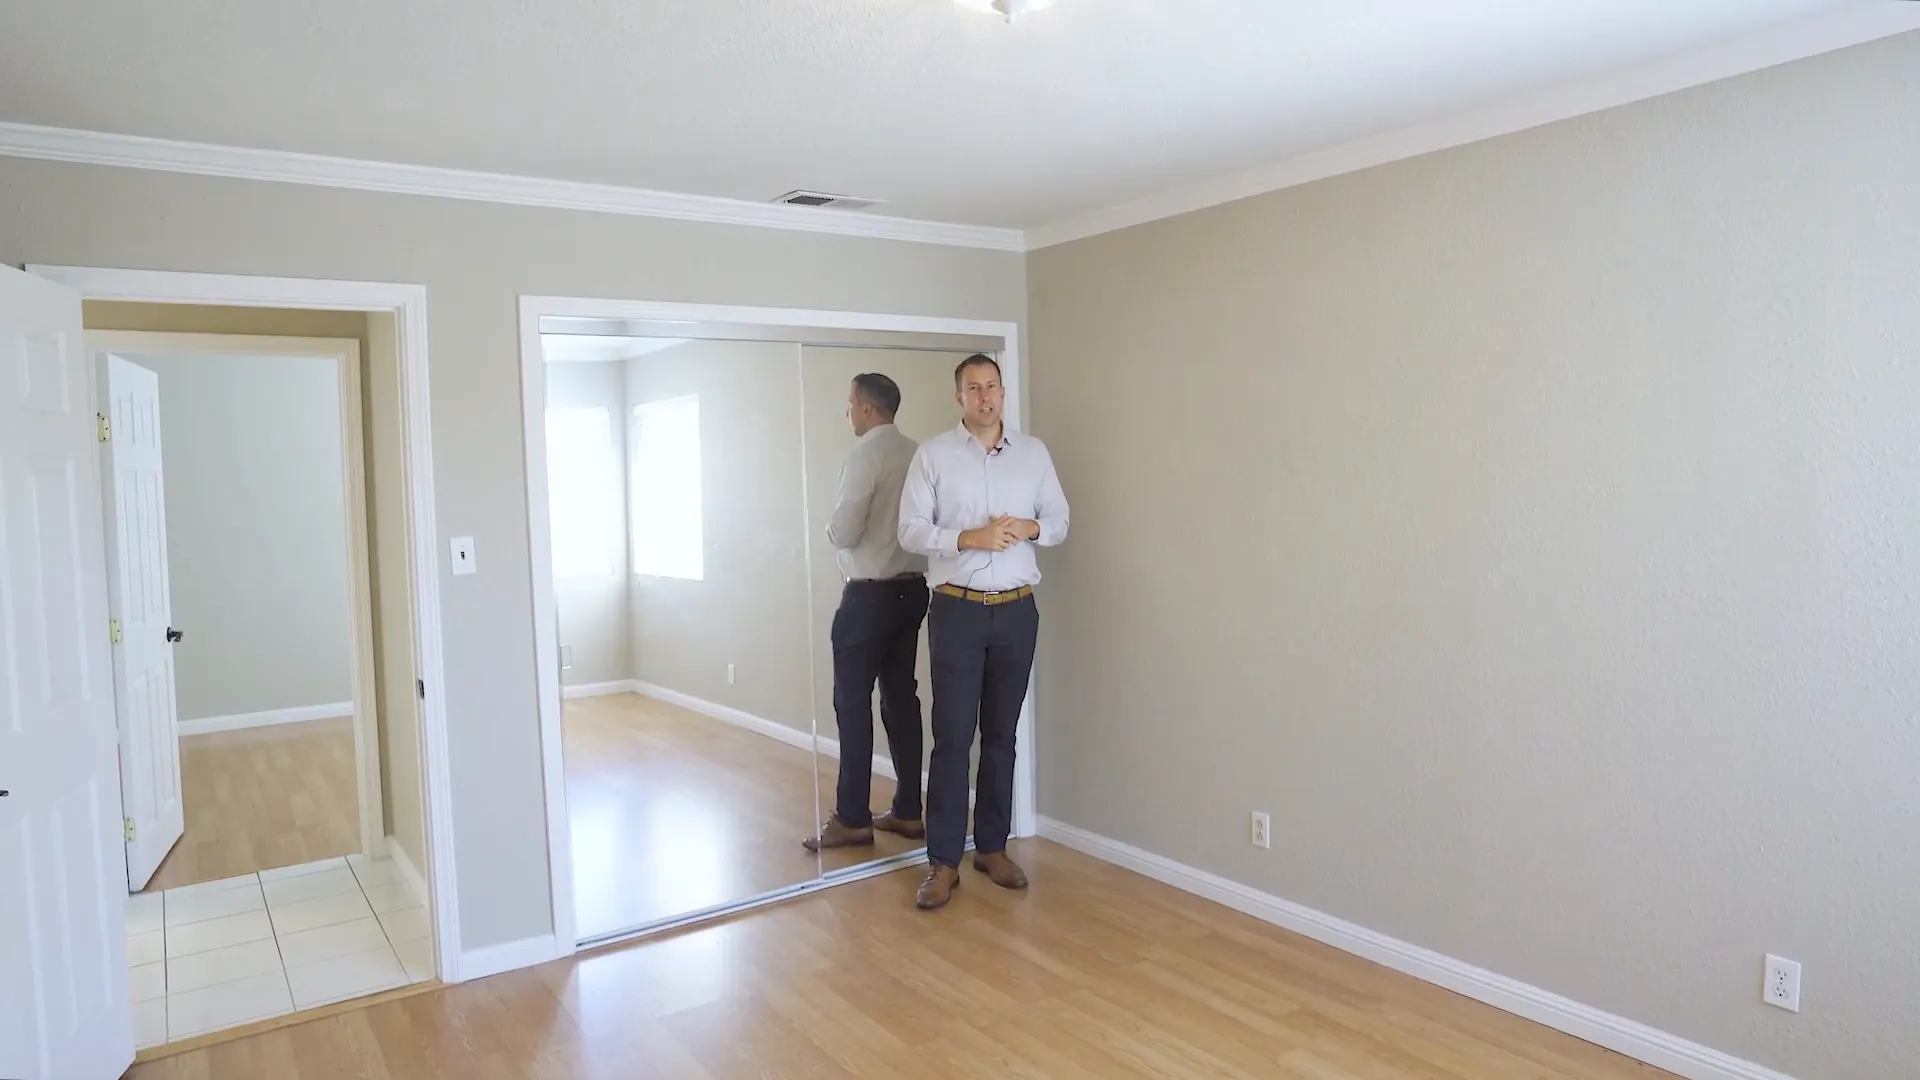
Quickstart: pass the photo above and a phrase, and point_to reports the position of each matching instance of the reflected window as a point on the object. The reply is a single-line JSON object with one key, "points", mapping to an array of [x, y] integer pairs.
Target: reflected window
{"points": [[583, 491], [666, 517]]}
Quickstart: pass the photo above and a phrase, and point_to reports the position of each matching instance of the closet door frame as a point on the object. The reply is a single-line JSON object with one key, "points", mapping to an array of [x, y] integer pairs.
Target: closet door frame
{"points": [[583, 315]]}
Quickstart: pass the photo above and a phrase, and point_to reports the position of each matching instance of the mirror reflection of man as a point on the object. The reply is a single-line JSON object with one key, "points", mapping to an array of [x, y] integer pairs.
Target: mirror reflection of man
{"points": [[979, 500], [876, 630]]}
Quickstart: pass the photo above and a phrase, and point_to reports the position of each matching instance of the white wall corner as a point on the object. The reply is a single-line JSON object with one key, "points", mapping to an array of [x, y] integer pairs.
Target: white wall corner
{"points": [[409, 873], [507, 956], [1658, 1048]]}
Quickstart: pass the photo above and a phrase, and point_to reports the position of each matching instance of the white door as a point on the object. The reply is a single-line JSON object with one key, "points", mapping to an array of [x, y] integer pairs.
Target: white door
{"points": [[141, 606], [65, 1010]]}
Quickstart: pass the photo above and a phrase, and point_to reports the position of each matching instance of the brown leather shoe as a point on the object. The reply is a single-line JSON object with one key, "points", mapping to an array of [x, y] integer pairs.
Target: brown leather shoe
{"points": [[1000, 869], [938, 888], [833, 834], [913, 830]]}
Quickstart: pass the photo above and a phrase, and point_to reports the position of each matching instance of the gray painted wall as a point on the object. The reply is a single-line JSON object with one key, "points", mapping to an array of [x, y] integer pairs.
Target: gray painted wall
{"points": [[256, 532], [476, 260], [1530, 528], [750, 608], [593, 610]]}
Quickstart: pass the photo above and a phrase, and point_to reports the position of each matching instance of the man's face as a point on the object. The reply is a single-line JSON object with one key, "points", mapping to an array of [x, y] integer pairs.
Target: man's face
{"points": [[981, 395]]}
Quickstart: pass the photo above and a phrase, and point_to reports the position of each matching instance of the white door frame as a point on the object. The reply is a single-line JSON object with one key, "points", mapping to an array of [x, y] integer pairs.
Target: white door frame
{"points": [[345, 353], [408, 305], [533, 386]]}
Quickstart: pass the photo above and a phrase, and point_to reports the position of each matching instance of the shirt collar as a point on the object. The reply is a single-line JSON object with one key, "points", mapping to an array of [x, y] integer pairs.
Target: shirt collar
{"points": [[1006, 435], [875, 430]]}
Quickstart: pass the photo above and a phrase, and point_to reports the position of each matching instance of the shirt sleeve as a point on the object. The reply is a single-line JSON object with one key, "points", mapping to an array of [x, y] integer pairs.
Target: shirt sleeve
{"points": [[1050, 508], [918, 533], [848, 523]]}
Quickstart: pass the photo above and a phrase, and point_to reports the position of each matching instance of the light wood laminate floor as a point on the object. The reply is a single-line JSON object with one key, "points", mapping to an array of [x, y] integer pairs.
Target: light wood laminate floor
{"points": [[263, 798], [672, 812], [1096, 973]]}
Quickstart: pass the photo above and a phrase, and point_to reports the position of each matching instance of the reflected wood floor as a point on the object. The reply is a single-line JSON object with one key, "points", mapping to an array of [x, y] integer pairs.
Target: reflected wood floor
{"points": [[1095, 973], [672, 811], [263, 798]]}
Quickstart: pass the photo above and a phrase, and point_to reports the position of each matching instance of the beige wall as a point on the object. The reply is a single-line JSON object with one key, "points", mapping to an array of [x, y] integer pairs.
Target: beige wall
{"points": [[256, 532], [475, 260], [1530, 528], [750, 609], [593, 611]]}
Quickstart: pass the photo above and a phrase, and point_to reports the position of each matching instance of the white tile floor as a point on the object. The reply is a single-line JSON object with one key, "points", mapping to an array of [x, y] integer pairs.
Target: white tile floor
{"points": [[222, 953]]}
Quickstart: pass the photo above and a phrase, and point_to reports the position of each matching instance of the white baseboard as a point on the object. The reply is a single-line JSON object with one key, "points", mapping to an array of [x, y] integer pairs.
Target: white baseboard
{"points": [[600, 689], [882, 764], [210, 724], [409, 873], [1617, 1033], [772, 729], [507, 956]]}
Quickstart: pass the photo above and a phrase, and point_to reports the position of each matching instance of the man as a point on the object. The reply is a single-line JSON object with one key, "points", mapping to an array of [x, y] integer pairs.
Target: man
{"points": [[876, 630], [978, 500]]}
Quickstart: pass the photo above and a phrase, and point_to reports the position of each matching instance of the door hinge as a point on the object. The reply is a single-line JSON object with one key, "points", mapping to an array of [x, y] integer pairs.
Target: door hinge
{"points": [[126, 827], [105, 427], [113, 630], [421, 685]]}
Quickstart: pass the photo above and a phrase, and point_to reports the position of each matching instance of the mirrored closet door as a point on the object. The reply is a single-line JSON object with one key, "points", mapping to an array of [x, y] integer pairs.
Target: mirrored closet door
{"points": [[680, 565], [693, 473], [870, 661]]}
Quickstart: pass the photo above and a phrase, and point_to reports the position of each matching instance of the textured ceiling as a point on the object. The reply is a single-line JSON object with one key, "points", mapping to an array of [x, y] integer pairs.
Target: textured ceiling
{"points": [[944, 113]]}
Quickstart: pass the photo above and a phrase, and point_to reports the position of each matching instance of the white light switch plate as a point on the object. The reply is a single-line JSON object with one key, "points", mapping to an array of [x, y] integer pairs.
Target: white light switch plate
{"points": [[462, 555]]}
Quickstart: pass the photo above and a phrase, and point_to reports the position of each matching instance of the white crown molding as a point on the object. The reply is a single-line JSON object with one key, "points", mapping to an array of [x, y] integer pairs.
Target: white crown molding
{"points": [[204, 159], [1779, 45], [1797, 40]]}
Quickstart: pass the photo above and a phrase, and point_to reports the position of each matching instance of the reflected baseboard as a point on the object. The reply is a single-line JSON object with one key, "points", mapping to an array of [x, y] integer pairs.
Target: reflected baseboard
{"points": [[772, 729], [600, 689], [844, 876]]}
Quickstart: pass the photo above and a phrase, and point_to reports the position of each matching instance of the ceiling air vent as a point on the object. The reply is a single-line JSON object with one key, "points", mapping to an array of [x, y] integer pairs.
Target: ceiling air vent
{"points": [[821, 198]]}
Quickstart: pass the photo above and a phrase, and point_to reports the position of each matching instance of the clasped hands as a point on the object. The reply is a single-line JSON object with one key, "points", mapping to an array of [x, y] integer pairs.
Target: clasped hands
{"points": [[1000, 534]]}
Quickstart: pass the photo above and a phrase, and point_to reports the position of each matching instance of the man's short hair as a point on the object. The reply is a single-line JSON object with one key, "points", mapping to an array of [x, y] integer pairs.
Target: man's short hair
{"points": [[878, 391], [975, 360]]}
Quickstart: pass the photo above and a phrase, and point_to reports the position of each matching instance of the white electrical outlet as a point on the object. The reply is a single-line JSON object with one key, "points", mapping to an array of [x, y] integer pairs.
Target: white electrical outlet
{"points": [[729, 674], [1781, 988], [1262, 830]]}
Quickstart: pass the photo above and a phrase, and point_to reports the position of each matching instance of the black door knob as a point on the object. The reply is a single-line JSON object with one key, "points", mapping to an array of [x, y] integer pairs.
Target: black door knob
{"points": [[175, 635]]}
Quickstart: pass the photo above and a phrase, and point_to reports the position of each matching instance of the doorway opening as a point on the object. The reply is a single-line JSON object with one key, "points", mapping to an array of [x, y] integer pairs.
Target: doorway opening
{"points": [[268, 875], [262, 477]]}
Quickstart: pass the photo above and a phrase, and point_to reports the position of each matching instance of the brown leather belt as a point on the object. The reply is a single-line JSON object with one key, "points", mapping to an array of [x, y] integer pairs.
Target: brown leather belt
{"points": [[897, 579], [978, 597]]}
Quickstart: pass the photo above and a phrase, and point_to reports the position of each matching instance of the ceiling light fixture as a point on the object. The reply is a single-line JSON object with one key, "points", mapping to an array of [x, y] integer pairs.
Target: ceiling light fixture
{"points": [[1010, 9]]}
